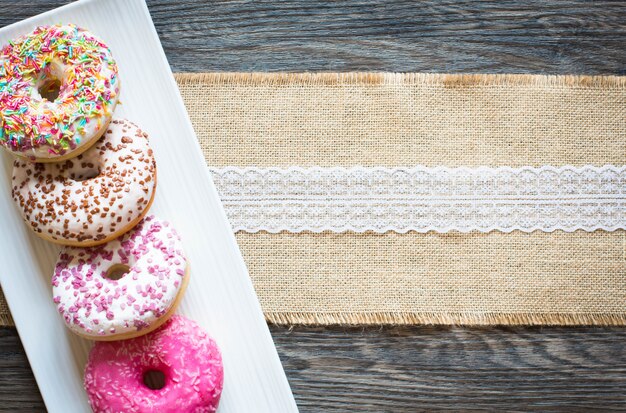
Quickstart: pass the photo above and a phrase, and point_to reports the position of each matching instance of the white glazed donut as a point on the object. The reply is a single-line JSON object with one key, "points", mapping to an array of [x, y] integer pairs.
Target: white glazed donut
{"points": [[97, 304], [93, 198], [58, 88]]}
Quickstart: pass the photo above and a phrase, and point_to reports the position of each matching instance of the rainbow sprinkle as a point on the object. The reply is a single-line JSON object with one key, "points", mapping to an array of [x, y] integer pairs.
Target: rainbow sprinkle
{"points": [[88, 92]]}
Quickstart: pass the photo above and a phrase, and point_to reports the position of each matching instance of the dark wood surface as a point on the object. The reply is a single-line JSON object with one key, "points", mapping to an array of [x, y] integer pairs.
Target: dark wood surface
{"points": [[404, 369], [400, 368], [507, 36]]}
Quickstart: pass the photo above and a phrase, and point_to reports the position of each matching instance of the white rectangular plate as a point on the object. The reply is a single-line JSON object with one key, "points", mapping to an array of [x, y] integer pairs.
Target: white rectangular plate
{"points": [[220, 295]]}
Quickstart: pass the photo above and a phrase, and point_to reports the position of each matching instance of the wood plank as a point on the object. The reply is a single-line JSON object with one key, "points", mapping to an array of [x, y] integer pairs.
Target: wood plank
{"points": [[430, 36], [18, 388], [404, 369]]}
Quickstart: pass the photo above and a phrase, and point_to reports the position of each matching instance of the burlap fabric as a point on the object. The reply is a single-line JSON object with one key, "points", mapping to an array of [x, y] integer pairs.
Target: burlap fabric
{"points": [[403, 120]]}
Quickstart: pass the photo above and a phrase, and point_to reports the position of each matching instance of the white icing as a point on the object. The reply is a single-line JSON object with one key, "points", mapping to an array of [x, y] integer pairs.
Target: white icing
{"points": [[91, 130], [57, 68], [93, 305], [59, 203]]}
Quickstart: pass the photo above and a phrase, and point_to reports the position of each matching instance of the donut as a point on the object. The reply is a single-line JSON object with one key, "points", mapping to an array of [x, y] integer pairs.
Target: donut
{"points": [[58, 88], [124, 288], [93, 198], [185, 361]]}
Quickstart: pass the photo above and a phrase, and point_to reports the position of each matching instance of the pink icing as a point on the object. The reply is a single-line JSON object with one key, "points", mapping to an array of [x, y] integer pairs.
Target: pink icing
{"points": [[188, 357], [93, 305]]}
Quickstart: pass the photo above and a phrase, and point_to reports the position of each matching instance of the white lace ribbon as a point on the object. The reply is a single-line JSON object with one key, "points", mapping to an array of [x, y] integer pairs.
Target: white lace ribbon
{"points": [[424, 199]]}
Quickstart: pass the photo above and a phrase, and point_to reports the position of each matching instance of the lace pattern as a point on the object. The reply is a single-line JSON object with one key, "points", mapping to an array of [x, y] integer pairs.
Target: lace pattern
{"points": [[423, 199]]}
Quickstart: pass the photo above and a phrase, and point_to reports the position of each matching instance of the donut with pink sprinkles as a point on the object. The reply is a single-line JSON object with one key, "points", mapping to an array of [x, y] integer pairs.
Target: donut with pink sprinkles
{"points": [[175, 369], [124, 288]]}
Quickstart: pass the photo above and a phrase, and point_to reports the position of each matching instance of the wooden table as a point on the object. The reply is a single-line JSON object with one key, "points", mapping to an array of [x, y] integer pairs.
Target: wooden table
{"points": [[400, 368]]}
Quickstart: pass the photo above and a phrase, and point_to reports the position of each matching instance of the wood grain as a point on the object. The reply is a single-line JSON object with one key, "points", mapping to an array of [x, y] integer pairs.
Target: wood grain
{"points": [[338, 369], [402, 36], [426, 368], [18, 388], [410, 368]]}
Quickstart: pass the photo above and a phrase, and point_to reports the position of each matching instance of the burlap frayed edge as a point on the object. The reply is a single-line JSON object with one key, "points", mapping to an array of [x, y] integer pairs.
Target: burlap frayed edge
{"points": [[463, 319], [6, 320], [376, 78]]}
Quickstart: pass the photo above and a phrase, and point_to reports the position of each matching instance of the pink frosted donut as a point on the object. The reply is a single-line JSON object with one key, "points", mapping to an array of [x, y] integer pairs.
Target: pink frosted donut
{"points": [[124, 288], [187, 360]]}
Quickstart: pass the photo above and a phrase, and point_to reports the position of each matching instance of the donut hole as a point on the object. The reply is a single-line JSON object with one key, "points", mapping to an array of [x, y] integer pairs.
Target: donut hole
{"points": [[117, 272], [85, 174], [48, 82], [49, 88], [154, 379]]}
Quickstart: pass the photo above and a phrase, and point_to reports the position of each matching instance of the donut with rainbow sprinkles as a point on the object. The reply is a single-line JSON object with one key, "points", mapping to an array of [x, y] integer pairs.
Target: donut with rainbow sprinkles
{"points": [[59, 86]]}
